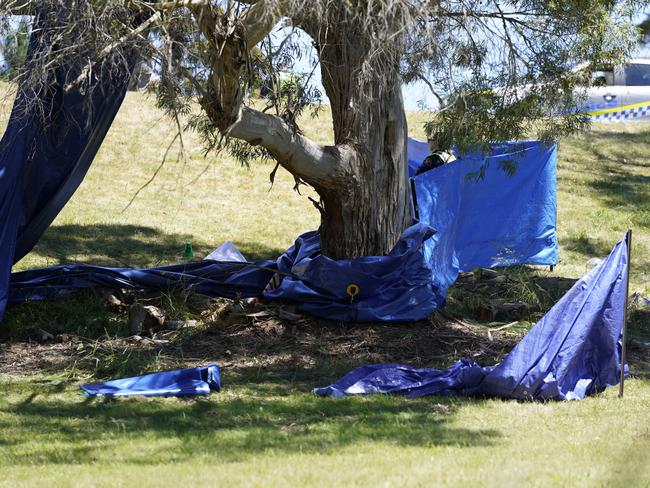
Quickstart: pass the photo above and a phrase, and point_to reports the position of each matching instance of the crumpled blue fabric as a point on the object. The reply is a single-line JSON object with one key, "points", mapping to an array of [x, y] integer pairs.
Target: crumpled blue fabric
{"points": [[396, 287], [573, 351], [211, 278], [183, 382]]}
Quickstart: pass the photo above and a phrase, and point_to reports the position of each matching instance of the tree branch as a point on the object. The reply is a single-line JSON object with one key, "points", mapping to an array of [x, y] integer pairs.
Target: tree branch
{"points": [[16, 7], [258, 22], [317, 165], [107, 50]]}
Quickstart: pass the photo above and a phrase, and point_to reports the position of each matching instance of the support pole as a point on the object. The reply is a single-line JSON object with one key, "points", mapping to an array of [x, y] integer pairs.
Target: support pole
{"points": [[628, 242], [414, 200]]}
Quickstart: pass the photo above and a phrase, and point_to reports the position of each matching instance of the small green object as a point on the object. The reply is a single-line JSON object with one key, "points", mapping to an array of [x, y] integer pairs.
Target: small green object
{"points": [[188, 252]]}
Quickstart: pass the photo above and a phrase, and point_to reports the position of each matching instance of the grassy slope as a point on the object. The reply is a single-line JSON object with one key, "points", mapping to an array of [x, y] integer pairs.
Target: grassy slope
{"points": [[267, 428]]}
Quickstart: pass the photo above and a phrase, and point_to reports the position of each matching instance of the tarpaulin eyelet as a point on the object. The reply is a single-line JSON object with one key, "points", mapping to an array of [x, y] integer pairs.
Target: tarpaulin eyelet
{"points": [[352, 290]]}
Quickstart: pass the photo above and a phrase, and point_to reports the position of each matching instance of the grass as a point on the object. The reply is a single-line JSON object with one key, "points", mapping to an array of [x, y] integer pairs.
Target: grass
{"points": [[265, 427], [264, 430]]}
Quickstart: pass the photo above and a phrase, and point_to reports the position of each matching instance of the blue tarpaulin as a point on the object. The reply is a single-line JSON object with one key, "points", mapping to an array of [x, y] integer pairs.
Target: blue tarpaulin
{"points": [[573, 351], [42, 162], [397, 287], [494, 209], [212, 278], [183, 382]]}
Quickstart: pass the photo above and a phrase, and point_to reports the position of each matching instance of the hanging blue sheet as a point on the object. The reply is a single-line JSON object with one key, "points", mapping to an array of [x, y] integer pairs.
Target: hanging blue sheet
{"points": [[43, 162], [183, 382], [490, 210], [573, 351]]}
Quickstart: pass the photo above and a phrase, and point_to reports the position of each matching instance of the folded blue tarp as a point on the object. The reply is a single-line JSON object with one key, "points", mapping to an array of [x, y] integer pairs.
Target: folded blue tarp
{"points": [[184, 382], [573, 351], [495, 209]]}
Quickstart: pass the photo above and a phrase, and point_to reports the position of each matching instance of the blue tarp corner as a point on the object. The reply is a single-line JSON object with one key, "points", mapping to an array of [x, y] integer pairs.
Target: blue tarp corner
{"points": [[490, 209]]}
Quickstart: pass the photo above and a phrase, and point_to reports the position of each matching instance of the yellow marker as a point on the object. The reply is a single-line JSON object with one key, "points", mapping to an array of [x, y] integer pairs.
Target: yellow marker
{"points": [[352, 290]]}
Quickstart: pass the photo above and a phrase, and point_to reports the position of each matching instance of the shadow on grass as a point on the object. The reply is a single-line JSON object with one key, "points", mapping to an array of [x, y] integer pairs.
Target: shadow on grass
{"points": [[83, 313], [587, 246], [621, 188], [221, 428], [618, 146], [519, 284], [616, 173], [129, 246]]}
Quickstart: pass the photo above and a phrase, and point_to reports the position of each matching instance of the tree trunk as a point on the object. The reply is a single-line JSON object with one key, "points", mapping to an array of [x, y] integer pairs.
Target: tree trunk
{"points": [[365, 213]]}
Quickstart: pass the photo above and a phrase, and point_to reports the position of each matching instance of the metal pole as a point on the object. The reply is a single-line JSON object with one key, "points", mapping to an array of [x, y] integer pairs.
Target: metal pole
{"points": [[628, 240], [414, 200]]}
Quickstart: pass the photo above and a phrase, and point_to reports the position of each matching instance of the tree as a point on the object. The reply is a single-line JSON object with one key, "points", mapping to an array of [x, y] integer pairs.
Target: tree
{"points": [[644, 27], [13, 48], [500, 70]]}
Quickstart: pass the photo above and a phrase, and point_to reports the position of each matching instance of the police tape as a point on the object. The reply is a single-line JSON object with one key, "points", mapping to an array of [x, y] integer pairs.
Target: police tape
{"points": [[622, 113]]}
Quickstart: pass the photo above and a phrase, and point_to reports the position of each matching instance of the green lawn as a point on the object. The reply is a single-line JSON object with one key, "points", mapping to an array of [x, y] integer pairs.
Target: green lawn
{"points": [[265, 431], [265, 427]]}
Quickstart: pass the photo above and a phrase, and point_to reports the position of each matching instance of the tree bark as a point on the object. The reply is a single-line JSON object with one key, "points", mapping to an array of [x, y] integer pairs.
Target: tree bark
{"points": [[365, 213]]}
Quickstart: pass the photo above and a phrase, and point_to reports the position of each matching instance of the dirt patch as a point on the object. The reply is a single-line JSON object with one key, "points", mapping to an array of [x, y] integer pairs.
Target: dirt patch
{"points": [[22, 358], [241, 335], [272, 342], [238, 335]]}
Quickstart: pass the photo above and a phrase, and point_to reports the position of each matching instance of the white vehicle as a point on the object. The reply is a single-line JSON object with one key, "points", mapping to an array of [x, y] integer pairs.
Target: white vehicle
{"points": [[624, 93]]}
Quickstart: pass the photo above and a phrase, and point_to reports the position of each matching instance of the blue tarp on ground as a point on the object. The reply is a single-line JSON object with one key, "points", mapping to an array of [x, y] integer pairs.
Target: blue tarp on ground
{"points": [[397, 287], [495, 209], [212, 278], [573, 351], [43, 162], [184, 382]]}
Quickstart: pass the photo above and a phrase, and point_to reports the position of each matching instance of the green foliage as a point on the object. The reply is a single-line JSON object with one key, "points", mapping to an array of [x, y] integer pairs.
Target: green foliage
{"points": [[13, 49], [512, 75]]}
